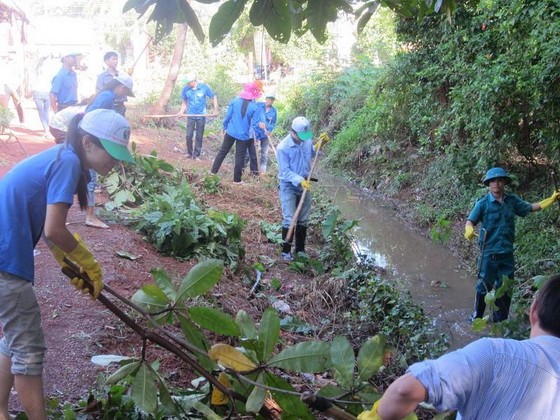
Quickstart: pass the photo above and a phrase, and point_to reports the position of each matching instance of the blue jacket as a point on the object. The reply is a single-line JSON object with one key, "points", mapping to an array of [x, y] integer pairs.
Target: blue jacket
{"points": [[269, 119], [238, 125]]}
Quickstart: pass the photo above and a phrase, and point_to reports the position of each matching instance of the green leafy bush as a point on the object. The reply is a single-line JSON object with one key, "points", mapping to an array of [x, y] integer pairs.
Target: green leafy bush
{"points": [[178, 227]]}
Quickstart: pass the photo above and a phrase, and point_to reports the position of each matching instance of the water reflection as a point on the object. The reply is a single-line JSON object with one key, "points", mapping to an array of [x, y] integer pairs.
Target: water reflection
{"points": [[430, 271]]}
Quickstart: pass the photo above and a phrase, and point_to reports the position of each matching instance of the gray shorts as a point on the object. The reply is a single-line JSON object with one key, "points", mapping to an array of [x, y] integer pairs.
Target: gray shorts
{"points": [[20, 317]]}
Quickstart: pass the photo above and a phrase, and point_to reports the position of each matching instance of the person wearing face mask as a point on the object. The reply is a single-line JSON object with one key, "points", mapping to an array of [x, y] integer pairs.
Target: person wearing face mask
{"points": [[35, 196]]}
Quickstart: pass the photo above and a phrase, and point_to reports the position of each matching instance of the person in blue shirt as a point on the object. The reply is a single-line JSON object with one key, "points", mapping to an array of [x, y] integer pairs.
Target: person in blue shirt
{"points": [[118, 88], [242, 113], [496, 212], [109, 98], [35, 196], [262, 136], [491, 378], [294, 155], [194, 96], [111, 60], [64, 85]]}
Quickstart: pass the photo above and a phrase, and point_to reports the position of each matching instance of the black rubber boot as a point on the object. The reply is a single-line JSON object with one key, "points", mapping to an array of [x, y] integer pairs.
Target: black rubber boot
{"points": [[287, 246], [301, 234], [502, 313], [479, 307]]}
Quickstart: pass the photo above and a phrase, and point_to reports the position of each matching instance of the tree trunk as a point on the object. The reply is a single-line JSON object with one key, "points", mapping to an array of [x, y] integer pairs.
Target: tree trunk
{"points": [[159, 107]]}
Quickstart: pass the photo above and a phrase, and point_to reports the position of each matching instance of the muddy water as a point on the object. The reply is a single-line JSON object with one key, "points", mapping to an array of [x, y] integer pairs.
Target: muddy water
{"points": [[431, 273]]}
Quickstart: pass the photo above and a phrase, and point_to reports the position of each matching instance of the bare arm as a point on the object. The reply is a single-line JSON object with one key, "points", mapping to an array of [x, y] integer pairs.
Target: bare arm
{"points": [[183, 108], [401, 398], [55, 231], [215, 101], [54, 102]]}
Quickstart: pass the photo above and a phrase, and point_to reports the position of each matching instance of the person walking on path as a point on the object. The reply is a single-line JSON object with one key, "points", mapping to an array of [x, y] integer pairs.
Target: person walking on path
{"points": [[35, 196], [261, 136], [40, 88], [111, 60], [491, 378], [496, 212], [194, 96], [241, 114], [64, 85], [295, 154], [119, 87]]}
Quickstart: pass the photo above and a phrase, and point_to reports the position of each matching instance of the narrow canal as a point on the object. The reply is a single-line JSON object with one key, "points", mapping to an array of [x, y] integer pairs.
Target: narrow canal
{"points": [[430, 271]]}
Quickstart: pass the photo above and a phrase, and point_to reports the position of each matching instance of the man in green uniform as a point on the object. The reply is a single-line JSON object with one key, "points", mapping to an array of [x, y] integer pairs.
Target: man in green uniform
{"points": [[496, 212]]}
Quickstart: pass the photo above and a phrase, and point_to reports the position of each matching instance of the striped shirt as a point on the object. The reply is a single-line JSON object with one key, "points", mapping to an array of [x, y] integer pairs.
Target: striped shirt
{"points": [[495, 378]]}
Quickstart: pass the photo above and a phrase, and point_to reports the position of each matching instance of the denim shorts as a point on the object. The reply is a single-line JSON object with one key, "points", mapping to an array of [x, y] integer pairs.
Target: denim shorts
{"points": [[20, 318]]}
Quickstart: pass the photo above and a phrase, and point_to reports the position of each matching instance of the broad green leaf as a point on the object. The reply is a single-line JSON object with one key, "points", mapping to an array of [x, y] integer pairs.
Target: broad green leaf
{"points": [[479, 324], [123, 372], [329, 224], [245, 324], [308, 356], [331, 391], [342, 358], [223, 20], [292, 404], [206, 411], [321, 12], [164, 282], [269, 332], [214, 320], [201, 278], [371, 357], [231, 358], [144, 391], [151, 298], [275, 16], [166, 399], [107, 359], [256, 397], [195, 337]]}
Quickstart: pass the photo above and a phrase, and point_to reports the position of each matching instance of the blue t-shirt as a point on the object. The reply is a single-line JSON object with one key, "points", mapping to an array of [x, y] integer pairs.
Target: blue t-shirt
{"points": [[65, 86], [104, 100], [238, 125], [498, 222], [270, 116], [196, 98], [49, 177]]}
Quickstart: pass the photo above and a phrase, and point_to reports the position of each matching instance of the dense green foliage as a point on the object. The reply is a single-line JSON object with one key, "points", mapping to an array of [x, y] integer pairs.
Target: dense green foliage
{"points": [[455, 101]]}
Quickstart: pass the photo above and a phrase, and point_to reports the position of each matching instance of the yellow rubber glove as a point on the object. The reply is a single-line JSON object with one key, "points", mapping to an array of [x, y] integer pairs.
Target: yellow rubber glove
{"points": [[323, 139], [547, 202], [370, 414], [58, 255], [88, 264], [305, 184], [469, 233]]}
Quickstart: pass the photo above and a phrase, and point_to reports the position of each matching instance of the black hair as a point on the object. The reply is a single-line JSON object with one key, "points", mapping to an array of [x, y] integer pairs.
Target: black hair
{"points": [[244, 107], [74, 137], [108, 55], [548, 306]]}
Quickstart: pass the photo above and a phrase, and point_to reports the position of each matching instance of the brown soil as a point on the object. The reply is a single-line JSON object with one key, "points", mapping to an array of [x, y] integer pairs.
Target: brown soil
{"points": [[78, 328]]}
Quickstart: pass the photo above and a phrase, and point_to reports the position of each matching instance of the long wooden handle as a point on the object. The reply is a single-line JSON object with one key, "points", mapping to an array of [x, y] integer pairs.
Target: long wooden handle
{"points": [[290, 232], [178, 115]]}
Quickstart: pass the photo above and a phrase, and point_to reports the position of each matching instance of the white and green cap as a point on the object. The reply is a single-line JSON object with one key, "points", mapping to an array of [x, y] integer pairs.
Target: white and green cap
{"points": [[302, 127], [112, 130]]}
